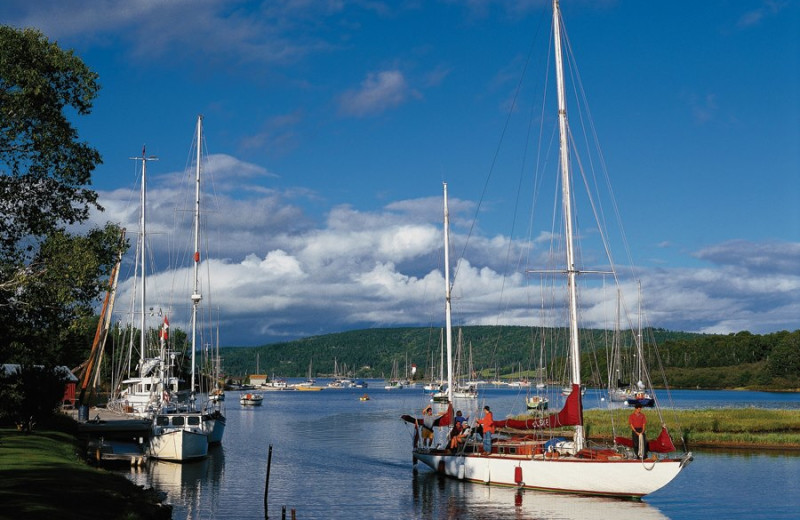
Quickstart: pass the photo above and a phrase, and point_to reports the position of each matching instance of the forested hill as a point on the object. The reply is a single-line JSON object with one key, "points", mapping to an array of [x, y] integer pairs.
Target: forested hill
{"points": [[770, 361]]}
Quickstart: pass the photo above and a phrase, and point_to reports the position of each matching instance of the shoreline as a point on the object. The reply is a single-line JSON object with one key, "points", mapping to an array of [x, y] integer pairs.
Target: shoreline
{"points": [[34, 467], [46, 475]]}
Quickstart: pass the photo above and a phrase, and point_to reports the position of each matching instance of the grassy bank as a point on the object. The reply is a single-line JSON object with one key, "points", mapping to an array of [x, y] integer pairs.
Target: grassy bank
{"points": [[42, 476], [751, 428]]}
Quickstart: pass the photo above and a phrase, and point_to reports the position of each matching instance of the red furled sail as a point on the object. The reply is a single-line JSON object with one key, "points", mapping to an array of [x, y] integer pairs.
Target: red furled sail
{"points": [[570, 415], [443, 420], [661, 444]]}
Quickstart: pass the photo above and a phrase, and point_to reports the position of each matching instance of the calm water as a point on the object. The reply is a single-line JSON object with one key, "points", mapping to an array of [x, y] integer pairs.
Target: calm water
{"points": [[335, 456]]}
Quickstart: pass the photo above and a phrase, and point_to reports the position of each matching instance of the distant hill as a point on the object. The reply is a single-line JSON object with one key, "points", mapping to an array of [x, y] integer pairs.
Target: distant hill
{"points": [[688, 359], [371, 352]]}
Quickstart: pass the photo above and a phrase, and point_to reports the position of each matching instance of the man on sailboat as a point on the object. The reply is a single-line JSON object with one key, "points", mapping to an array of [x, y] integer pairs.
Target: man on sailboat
{"points": [[427, 427], [638, 421], [487, 424]]}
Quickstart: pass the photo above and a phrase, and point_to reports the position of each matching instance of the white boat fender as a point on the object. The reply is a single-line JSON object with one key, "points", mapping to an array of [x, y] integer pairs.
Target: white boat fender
{"points": [[461, 469]]}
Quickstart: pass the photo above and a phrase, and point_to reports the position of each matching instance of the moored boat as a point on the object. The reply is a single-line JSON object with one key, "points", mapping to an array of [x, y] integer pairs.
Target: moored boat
{"points": [[251, 399], [525, 454]]}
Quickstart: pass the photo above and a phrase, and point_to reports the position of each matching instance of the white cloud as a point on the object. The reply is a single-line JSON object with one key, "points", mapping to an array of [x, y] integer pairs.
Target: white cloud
{"points": [[377, 93], [277, 273]]}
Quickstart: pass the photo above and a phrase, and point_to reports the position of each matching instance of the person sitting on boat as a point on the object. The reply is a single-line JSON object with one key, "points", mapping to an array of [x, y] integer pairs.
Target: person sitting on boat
{"points": [[427, 427], [460, 418], [458, 435], [638, 422], [487, 424]]}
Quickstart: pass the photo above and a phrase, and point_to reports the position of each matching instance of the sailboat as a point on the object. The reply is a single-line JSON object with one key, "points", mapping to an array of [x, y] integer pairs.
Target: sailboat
{"points": [[146, 389], [176, 434], [524, 455], [394, 382], [309, 384], [213, 419], [464, 389]]}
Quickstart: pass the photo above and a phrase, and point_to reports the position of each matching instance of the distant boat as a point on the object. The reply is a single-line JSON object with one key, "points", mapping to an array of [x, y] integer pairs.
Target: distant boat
{"points": [[394, 382], [537, 402], [364, 397], [251, 399], [216, 395]]}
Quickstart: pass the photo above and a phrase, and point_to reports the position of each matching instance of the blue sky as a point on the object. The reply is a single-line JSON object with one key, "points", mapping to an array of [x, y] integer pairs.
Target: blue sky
{"points": [[330, 126]]}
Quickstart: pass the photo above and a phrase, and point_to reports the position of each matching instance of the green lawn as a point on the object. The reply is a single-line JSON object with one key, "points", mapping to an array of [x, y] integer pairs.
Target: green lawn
{"points": [[43, 477]]}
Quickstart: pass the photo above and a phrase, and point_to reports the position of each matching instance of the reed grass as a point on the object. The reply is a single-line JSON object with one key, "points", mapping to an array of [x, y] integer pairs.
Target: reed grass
{"points": [[723, 427]]}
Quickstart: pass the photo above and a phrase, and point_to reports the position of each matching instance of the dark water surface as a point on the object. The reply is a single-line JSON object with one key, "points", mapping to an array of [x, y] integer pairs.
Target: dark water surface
{"points": [[335, 456]]}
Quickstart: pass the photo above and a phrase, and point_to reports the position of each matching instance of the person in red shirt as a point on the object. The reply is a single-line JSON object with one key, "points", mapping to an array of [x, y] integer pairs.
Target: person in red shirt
{"points": [[487, 422], [638, 422]]}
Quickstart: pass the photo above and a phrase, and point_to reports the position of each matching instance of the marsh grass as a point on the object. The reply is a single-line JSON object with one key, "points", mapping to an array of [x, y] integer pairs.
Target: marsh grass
{"points": [[724, 427]]}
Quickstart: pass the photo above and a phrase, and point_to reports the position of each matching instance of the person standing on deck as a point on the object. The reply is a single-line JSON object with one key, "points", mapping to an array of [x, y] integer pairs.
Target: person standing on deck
{"points": [[638, 422], [427, 427], [487, 422]]}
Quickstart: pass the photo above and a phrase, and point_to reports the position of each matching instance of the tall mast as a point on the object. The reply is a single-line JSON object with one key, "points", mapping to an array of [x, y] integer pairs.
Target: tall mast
{"points": [[574, 340], [143, 258], [196, 296], [448, 323]]}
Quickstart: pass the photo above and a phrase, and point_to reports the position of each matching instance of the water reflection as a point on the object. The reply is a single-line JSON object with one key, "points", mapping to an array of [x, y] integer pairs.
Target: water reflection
{"points": [[338, 457], [439, 497], [191, 486]]}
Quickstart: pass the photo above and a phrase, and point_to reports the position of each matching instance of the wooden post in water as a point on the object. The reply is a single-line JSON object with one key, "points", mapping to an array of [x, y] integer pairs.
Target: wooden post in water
{"points": [[266, 484]]}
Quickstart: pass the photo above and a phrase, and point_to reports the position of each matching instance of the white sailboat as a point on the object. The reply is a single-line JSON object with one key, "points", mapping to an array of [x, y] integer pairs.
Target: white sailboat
{"points": [[394, 382], [213, 419], [531, 459], [176, 435], [144, 393]]}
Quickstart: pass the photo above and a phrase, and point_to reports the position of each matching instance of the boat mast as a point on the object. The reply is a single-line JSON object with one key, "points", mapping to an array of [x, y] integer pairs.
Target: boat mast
{"points": [[574, 347], [142, 258], [448, 322], [196, 296]]}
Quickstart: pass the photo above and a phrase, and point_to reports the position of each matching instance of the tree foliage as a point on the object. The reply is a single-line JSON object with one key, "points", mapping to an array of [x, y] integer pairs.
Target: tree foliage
{"points": [[29, 394], [45, 169], [49, 277], [769, 361]]}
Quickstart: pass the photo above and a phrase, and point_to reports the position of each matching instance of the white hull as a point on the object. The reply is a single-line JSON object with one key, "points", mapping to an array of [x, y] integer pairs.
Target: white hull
{"points": [[179, 445], [624, 478], [251, 400]]}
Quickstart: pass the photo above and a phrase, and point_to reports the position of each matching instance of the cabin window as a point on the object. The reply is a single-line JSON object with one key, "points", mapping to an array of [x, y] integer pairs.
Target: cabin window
{"points": [[177, 421], [147, 388], [193, 420], [162, 420]]}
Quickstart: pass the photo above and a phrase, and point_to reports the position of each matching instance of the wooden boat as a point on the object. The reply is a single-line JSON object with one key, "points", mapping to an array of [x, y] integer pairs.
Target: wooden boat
{"points": [[527, 456]]}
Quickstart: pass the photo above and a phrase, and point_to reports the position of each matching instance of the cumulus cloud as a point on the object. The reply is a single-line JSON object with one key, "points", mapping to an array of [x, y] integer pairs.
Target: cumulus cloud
{"points": [[275, 272]]}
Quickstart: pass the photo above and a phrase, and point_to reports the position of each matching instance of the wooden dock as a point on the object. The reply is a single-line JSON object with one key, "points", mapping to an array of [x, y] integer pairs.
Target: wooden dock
{"points": [[113, 438]]}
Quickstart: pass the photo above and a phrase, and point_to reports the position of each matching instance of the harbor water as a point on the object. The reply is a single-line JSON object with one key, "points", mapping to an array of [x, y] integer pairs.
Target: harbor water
{"points": [[335, 456]]}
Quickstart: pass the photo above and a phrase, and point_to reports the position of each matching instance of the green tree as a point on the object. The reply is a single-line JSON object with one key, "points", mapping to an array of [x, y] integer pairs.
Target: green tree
{"points": [[45, 170], [49, 278], [29, 394], [785, 358]]}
